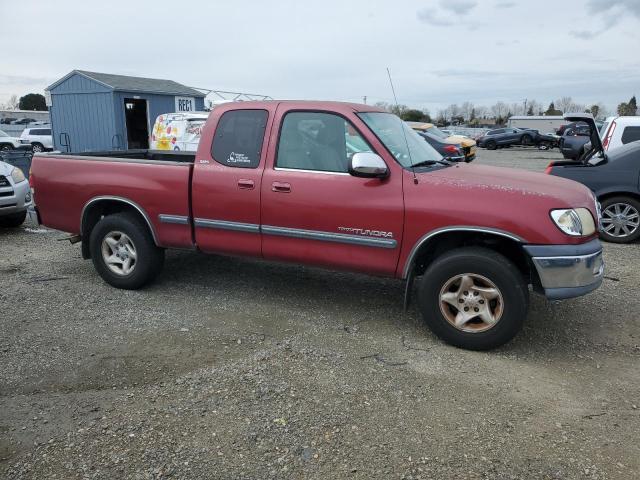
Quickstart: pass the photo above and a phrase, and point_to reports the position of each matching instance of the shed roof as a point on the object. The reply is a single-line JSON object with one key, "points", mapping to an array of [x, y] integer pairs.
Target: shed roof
{"points": [[134, 84]]}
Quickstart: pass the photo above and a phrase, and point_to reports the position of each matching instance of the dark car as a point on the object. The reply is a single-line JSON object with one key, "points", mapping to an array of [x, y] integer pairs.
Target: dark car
{"points": [[503, 137], [574, 137], [451, 151], [23, 121], [614, 179]]}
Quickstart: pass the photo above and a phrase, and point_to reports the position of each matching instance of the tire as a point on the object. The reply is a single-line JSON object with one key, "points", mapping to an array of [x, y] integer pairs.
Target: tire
{"points": [[135, 244], [13, 221], [5, 147], [627, 207], [490, 145], [526, 140], [544, 146], [37, 147], [489, 270]]}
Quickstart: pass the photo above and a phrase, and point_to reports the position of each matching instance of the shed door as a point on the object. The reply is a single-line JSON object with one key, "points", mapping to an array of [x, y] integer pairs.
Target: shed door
{"points": [[136, 123]]}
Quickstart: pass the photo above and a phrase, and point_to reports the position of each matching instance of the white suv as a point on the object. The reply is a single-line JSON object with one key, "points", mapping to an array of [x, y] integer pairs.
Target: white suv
{"points": [[619, 131], [8, 143], [39, 137]]}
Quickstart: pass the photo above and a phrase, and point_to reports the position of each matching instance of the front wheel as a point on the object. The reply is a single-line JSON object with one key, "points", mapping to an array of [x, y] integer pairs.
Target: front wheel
{"points": [[124, 253], [473, 298], [620, 219]]}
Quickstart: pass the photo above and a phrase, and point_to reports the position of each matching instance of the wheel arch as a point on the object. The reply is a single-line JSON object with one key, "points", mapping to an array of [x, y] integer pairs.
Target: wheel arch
{"points": [[436, 242], [617, 192], [99, 207]]}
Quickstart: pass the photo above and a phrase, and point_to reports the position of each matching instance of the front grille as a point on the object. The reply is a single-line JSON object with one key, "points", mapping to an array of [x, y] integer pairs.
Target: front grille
{"points": [[4, 181]]}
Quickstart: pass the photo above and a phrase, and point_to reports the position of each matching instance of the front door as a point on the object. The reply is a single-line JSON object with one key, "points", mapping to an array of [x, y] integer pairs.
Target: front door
{"points": [[226, 184], [314, 211]]}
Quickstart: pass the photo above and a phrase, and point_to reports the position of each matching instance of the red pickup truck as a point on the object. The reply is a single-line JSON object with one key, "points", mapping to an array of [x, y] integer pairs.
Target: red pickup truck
{"points": [[342, 186]]}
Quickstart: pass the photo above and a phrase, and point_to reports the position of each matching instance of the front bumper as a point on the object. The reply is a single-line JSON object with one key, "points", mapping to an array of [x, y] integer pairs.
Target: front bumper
{"points": [[567, 271], [15, 198]]}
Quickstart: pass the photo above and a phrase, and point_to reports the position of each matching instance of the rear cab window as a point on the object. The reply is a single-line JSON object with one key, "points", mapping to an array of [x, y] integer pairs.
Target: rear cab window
{"points": [[238, 138], [630, 134]]}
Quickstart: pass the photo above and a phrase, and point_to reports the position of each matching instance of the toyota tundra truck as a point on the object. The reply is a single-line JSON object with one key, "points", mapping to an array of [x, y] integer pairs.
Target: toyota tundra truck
{"points": [[341, 186]]}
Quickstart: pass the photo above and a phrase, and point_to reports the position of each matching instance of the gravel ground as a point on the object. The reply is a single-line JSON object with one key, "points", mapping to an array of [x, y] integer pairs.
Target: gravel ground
{"points": [[240, 369]]}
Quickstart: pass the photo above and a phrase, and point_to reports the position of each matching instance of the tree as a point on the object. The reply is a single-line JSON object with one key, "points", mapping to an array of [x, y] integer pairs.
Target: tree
{"points": [[12, 103], [552, 110], [498, 111], [415, 115], [530, 111], [32, 101], [628, 109], [467, 111]]}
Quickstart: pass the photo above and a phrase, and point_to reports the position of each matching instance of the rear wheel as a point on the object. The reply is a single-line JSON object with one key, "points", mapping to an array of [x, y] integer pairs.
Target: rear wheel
{"points": [[473, 298], [620, 219], [491, 145], [37, 147], [13, 221], [124, 253]]}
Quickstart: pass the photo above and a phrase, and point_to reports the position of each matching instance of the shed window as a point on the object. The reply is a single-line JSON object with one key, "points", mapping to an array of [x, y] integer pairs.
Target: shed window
{"points": [[238, 138]]}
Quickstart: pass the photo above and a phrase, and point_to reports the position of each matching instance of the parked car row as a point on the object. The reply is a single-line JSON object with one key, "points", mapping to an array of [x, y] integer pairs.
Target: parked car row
{"points": [[440, 139], [21, 121], [36, 139], [506, 137]]}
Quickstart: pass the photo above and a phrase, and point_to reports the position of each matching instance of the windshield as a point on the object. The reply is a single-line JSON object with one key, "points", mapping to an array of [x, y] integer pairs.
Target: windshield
{"points": [[407, 147], [436, 132], [2, 134]]}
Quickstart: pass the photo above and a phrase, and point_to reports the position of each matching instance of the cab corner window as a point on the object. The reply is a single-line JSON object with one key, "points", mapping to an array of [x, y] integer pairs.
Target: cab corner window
{"points": [[318, 141], [238, 139]]}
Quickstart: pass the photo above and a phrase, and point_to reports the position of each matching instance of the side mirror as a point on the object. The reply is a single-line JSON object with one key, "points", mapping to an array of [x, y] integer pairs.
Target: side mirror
{"points": [[368, 165]]}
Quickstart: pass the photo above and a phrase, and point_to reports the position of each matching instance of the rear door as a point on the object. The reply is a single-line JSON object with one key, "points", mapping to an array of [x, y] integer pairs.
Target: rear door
{"points": [[313, 210], [226, 183]]}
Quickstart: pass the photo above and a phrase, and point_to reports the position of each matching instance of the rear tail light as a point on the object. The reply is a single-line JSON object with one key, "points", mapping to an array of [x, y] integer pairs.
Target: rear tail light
{"points": [[451, 149], [609, 134], [548, 169]]}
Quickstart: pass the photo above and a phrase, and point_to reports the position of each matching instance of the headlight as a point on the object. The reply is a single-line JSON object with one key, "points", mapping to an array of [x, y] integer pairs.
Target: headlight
{"points": [[17, 175], [576, 222]]}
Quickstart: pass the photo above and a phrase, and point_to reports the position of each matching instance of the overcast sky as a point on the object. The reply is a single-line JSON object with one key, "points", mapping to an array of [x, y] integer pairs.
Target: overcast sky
{"points": [[439, 52]]}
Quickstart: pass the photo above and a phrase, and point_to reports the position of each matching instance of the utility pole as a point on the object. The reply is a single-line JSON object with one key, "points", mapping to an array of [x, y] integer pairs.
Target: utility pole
{"points": [[525, 106], [364, 99]]}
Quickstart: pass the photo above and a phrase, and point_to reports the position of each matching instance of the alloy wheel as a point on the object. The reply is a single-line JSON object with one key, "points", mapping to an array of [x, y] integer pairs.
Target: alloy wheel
{"points": [[620, 220], [471, 303], [119, 253]]}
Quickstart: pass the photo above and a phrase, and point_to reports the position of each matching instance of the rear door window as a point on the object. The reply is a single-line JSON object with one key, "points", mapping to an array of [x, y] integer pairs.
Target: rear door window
{"points": [[630, 134], [238, 138]]}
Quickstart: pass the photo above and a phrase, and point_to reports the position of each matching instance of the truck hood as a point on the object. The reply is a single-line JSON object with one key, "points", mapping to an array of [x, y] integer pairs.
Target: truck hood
{"points": [[511, 182]]}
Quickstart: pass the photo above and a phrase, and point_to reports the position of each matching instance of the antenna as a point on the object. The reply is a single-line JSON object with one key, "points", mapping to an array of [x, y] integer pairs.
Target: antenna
{"points": [[395, 99]]}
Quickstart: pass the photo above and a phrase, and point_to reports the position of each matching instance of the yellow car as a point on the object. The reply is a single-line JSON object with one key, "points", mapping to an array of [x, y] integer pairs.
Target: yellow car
{"points": [[468, 145]]}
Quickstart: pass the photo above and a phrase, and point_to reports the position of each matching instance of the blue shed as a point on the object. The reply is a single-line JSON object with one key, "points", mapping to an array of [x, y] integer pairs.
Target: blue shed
{"points": [[99, 111]]}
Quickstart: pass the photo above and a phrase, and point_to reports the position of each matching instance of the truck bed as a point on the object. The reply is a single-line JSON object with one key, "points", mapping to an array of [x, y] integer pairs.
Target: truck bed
{"points": [[156, 183]]}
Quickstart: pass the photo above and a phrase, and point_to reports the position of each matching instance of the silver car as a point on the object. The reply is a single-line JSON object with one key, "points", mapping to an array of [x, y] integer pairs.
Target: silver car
{"points": [[15, 196]]}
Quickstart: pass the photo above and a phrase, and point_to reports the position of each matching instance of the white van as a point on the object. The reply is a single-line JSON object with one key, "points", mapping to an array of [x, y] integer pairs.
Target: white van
{"points": [[618, 131], [178, 131]]}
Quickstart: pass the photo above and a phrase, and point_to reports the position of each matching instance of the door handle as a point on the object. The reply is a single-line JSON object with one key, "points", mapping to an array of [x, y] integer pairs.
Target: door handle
{"points": [[245, 184], [280, 187]]}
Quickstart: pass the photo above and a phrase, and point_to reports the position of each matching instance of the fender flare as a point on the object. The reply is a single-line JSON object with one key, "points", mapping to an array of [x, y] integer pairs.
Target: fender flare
{"points": [[458, 228], [131, 203]]}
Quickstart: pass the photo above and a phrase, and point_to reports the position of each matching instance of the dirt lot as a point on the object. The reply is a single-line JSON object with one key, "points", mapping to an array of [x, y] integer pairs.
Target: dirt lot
{"points": [[237, 369]]}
